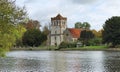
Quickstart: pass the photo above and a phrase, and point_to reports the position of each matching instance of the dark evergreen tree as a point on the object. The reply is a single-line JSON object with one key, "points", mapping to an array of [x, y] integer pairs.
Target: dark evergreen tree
{"points": [[111, 33]]}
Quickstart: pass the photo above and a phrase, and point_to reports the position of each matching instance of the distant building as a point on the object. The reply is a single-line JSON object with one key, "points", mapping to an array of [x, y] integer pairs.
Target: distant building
{"points": [[60, 32]]}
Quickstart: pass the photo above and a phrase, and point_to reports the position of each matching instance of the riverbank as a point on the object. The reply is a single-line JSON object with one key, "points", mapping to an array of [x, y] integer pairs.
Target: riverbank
{"points": [[86, 48], [92, 48], [42, 48]]}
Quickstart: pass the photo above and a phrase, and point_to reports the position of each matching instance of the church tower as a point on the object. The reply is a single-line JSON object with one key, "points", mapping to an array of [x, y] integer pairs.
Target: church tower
{"points": [[58, 26]]}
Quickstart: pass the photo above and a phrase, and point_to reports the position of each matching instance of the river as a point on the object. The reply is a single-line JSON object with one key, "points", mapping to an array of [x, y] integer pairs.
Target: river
{"points": [[61, 61]]}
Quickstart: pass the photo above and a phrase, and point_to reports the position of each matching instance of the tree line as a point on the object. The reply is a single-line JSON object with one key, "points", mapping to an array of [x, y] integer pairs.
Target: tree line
{"points": [[14, 30], [109, 35], [87, 36], [33, 36]]}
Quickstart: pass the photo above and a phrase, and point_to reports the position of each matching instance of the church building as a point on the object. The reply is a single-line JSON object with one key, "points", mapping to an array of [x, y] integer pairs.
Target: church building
{"points": [[60, 32], [58, 26]]}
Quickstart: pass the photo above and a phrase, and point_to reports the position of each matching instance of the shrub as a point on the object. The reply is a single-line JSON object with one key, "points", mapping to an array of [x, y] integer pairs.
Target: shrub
{"points": [[63, 45], [66, 45], [95, 42]]}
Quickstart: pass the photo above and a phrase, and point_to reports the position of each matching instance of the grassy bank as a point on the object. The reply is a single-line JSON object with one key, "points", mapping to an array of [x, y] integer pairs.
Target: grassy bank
{"points": [[40, 48], [87, 48]]}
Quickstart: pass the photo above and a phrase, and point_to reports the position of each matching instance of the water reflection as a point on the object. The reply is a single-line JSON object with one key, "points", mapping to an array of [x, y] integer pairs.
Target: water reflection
{"points": [[61, 61], [112, 61]]}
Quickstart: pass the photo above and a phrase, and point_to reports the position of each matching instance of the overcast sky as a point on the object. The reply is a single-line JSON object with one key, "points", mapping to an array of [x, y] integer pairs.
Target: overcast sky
{"points": [[94, 12]]}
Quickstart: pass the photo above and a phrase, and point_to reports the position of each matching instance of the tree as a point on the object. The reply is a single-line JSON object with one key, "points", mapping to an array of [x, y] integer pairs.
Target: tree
{"points": [[46, 30], [111, 32], [95, 41], [85, 36], [84, 25], [10, 18], [100, 33], [19, 33], [97, 34], [33, 37], [78, 25], [33, 24]]}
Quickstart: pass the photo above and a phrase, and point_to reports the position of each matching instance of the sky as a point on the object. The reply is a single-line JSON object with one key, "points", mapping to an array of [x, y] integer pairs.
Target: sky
{"points": [[95, 12]]}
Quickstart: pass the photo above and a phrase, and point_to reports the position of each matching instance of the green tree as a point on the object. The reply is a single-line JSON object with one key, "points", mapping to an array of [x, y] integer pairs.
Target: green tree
{"points": [[78, 25], [84, 25], [10, 17], [19, 33], [111, 32], [85, 36], [95, 41], [33, 37]]}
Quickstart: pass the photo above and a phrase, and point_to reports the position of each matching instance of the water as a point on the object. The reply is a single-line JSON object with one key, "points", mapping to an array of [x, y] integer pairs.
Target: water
{"points": [[61, 61]]}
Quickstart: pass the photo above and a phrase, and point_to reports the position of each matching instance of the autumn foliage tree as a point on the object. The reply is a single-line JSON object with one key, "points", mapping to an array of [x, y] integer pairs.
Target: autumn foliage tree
{"points": [[97, 34], [98, 37], [32, 24]]}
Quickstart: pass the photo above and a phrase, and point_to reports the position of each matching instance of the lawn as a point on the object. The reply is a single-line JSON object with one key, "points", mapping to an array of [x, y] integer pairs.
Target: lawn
{"points": [[95, 47]]}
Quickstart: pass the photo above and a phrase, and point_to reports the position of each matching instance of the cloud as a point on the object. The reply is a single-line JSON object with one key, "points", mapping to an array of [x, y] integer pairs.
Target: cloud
{"points": [[83, 1], [93, 11], [29, 1]]}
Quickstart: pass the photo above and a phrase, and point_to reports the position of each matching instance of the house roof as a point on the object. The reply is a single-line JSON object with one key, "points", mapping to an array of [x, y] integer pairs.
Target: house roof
{"points": [[75, 32], [59, 17]]}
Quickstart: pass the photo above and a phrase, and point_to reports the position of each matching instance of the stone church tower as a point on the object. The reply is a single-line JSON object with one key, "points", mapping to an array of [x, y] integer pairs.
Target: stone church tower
{"points": [[58, 26]]}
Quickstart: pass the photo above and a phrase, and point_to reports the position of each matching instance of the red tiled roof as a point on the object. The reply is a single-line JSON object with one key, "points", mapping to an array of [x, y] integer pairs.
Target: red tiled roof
{"points": [[59, 17], [75, 32]]}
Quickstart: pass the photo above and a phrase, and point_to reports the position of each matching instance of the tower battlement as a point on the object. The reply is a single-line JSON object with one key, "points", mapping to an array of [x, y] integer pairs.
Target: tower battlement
{"points": [[58, 17]]}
